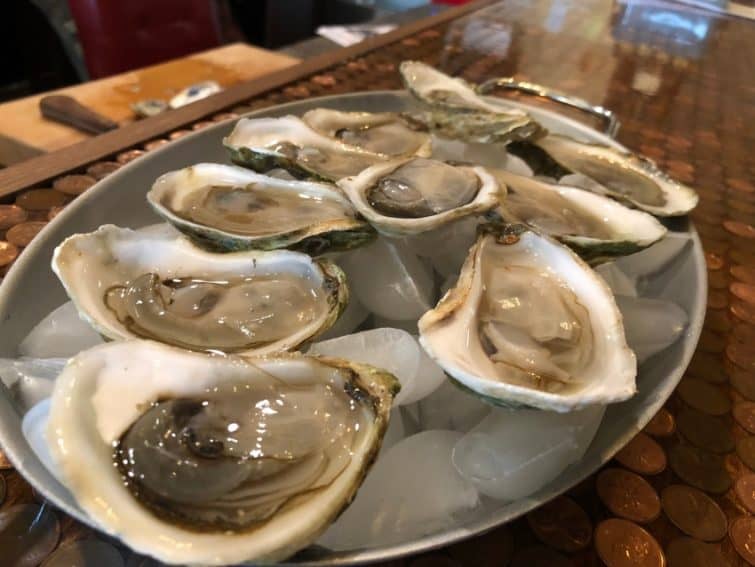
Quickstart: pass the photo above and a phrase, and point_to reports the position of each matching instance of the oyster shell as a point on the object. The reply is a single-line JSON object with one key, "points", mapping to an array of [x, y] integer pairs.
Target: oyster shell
{"points": [[529, 324], [199, 459], [414, 195], [223, 207], [384, 133], [128, 284], [624, 176], [267, 143], [594, 226]]}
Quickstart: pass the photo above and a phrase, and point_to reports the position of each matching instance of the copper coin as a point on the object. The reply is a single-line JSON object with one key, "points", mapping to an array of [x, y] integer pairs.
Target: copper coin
{"points": [[40, 199], [22, 234], [694, 512], [719, 280], [561, 524], [743, 355], [102, 169], [11, 215], [704, 397], [621, 543], [743, 273], [3, 489], [662, 424], [628, 495], [5, 464], [714, 261], [718, 321], [154, 144], [744, 333], [689, 552], [740, 229], [717, 299], [54, 212], [488, 550], [223, 116], [708, 367], [178, 134], [8, 253], [74, 184], [699, 468], [745, 490], [744, 413], [746, 451], [707, 432], [742, 534], [128, 155], [85, 552], [28, 534], [744, 383], [201, 125], [712, 342], [743, 311], [539, 556], [642, 455], [740, 185]]}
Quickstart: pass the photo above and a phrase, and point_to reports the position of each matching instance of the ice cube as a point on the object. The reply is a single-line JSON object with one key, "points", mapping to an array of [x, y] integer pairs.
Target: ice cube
{"points": [[486, 155], [353, 316], [651, 325], [450, 407], [34, 428], [396, 430], [61, 333], [447, 247], [513, 453], [389, 279], [408, 325], [618, 281], [412, 490], [30, 379], [394, 350], [653, 259]]}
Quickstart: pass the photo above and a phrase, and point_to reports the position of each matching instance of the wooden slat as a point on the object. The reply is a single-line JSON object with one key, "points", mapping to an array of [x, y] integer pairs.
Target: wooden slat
{"points": [[40, 169]]}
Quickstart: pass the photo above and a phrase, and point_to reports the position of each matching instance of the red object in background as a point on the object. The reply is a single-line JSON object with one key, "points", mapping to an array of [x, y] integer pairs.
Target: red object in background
{"points": [[119, 35]]}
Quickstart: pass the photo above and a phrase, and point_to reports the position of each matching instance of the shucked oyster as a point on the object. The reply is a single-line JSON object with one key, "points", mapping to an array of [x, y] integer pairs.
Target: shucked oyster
{"points": [[414, 195], [457, 111], [266, 143], [199, 459], [384, 133], [604, 170], [129, 284], [226, 207], [596, 227], [528, 323]]}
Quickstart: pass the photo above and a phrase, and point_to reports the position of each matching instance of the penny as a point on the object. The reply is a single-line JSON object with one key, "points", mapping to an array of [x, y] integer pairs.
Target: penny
{"points": [[128, 155], [102, 169], [742, 535], [40, 199], [85, 553], [712, 342], [744, 333], [628, 495], [202, 124], [743, 273], [642, 455], [688, 552], [28, 534], [561, 524], [707, 432], [11, 215], [703, 396], [22, 234], [744, 413], [719, 280], [539, 556], [699, 468], [621, 543], [743, 311], [694, 512], [3, 489], [743, 355], [178, 134], [223, 116], [54, 212], [662, 424], [740, 229], [718, 321], [744, 383], [8, 253], [5, 463], [154, 144], [717, 299], [739, 257], [488, 550], [745, 490], [707, 367], [746, 451], [74, 184], [714, 261], [740, 185]]}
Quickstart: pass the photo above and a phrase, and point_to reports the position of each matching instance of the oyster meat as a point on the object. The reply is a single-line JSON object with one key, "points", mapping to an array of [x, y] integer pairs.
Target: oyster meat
{"points": [[607, 171], [596, 227], [386, 133], [224, 207], [128, 284], [199, 459], [529, 324], [415, 195]]}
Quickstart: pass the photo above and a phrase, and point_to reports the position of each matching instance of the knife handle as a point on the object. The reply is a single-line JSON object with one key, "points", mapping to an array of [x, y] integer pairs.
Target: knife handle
{"points": [[67, 110]]}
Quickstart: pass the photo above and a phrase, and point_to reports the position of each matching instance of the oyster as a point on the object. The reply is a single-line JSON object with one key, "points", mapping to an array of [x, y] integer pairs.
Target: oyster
{"points": [[199, 459], [414, 195], [128, 284], [596, 227], [384, 133], [457, 111], [529, 324], [224, 207], [607, 171], [267, 143]]}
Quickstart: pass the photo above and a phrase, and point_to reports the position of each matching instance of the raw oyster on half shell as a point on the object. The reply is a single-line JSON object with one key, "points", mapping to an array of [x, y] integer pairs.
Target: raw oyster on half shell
{"points": [[128, 284]]}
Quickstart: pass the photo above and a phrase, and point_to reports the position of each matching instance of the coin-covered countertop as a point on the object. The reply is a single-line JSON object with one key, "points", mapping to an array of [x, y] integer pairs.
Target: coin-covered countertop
{"points": [[681, 81]]}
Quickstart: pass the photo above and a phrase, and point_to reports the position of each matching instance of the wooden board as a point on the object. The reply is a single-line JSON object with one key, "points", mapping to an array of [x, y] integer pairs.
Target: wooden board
{"points": [[24, 133]]}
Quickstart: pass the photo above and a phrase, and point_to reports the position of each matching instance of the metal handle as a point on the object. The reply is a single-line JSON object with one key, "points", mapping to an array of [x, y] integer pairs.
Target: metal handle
{"points": [[612, 123]]}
